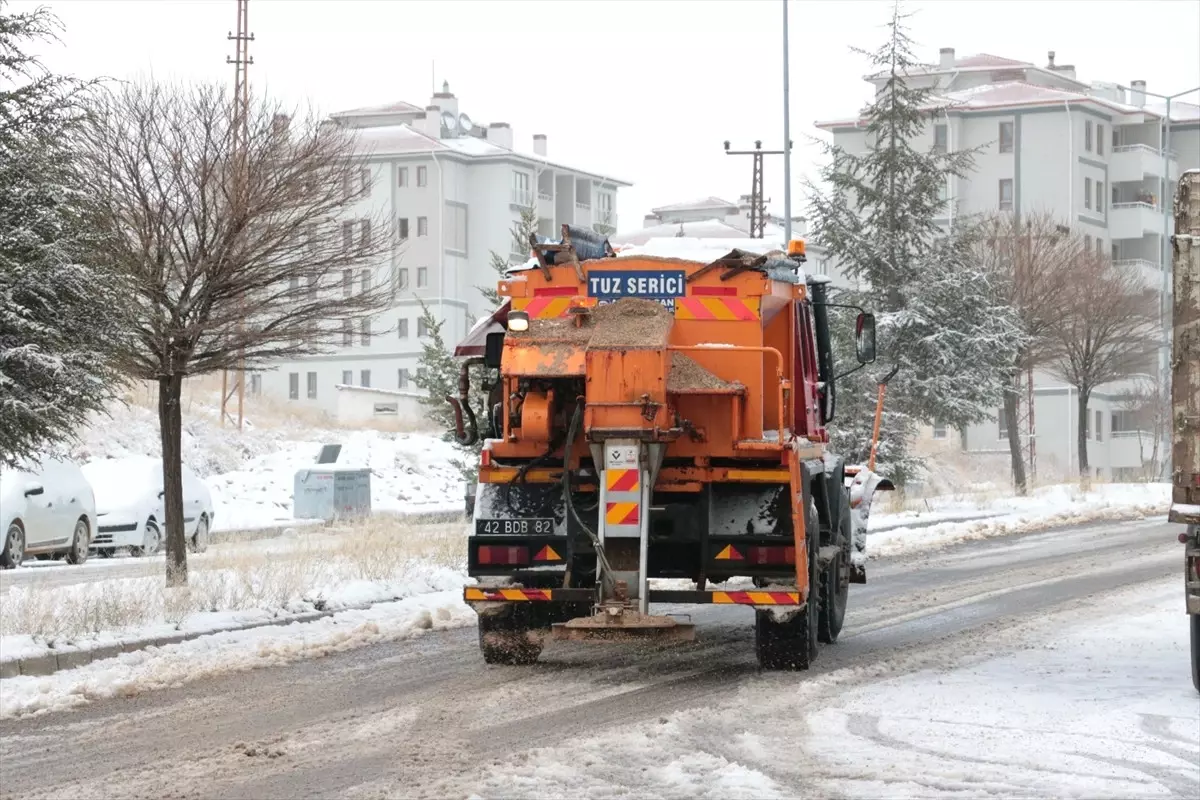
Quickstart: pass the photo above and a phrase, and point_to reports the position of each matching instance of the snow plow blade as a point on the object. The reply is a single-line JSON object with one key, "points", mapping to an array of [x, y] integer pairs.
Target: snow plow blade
{"points": [[626, 626]]}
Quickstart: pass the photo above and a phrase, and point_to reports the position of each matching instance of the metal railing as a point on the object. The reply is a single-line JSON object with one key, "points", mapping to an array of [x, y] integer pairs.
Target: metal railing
{"points": [[545, 196], [1134, 204], [584, 206], [1143, 263], [1145, 148]]}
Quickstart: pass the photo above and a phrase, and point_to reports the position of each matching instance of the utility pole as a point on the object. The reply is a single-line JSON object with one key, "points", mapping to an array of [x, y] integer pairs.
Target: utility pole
{"points": [[758, 206], [234, 381], [787, 138]]}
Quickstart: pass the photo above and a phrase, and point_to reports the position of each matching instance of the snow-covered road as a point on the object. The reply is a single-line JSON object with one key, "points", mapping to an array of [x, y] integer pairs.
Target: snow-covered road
{"points": [[1051, 664]]}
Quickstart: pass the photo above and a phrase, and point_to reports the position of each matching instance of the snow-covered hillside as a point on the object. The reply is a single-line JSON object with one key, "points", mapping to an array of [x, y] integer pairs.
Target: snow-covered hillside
{"points": [[250, 472]]}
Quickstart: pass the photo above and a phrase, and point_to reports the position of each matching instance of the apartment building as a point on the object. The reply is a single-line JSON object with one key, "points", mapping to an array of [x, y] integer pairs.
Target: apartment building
{"points": [[1093, 155], [453, 188]]}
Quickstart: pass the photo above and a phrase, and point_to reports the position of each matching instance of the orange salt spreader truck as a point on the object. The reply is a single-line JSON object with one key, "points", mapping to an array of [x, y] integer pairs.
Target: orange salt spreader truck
{"points": [[660, 418]]}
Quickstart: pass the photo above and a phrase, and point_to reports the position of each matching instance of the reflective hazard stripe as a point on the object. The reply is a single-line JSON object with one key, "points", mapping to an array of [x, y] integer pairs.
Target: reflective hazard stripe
{"points": [[549, 307], [622, 514], [734, 309], [622, 480], [758, 598], [473, 593]]}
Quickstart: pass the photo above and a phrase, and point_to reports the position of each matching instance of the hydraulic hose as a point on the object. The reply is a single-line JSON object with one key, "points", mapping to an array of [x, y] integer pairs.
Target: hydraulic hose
{"points": [[606, 577]]}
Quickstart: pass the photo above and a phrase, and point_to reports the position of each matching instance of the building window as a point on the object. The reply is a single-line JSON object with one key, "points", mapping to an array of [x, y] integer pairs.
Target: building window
{"points": [[422, 277], [364, 180], [312, 386], [1087, 193], [1006, 137], [1006, 194], [939, 138], [1100, 196], [1099, 139], [347, 282], [402, 177], [364, 236], [402, 279], [364, 378], [402, 380], [347, 377], [939, 430], [255, 384], [422, 176], [422, 226], [294, 285], [1099, 247], [365, 332], [521, 193], [1087, 135], [312, 287], [293, 386], [1087, 243], [347, 333], [1116, 139], [347, 235], [422, 328], [1002, 427], [366, 280], [402, 328], [455, 231], [1099, 426], [402, 227], [1123, 422]]}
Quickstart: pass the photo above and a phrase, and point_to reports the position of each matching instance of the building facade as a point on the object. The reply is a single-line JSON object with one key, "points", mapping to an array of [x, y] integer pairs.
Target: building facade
{"points": [[453, 190], [1091, 154]]}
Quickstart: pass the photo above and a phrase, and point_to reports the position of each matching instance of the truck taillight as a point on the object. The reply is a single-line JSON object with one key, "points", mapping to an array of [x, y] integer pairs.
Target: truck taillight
{"points": [[771, 555], [495, 554]]}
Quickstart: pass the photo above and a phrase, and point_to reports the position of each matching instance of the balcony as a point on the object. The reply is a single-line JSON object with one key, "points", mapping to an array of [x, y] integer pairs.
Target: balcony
{"points": [[583, 214], [1148, 270], [522, 197], [1130, 448], [1133, 162], [1134, 220]]}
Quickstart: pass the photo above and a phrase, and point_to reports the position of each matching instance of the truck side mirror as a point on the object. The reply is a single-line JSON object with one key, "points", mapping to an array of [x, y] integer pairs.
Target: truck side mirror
{"points": [[864, 337], [493, 349]]}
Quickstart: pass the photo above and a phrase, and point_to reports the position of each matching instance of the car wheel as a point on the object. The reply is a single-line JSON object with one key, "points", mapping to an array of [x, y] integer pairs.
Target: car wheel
{"points": [[151, 540], [199, 540], [80, 543], [14, 547]]}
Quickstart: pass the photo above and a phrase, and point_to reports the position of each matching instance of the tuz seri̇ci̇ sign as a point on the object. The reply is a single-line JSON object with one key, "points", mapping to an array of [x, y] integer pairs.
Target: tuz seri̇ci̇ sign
{"points": [[662, 286]]}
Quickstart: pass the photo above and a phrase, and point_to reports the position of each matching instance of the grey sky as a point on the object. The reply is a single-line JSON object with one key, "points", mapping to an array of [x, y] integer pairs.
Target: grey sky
{"points": [[641, 90]]}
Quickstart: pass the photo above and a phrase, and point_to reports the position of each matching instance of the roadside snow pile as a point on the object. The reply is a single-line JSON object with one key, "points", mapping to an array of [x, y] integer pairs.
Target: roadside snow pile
{"points": [[1048, 507], [233, 586], [236, 651], [251, 473]]}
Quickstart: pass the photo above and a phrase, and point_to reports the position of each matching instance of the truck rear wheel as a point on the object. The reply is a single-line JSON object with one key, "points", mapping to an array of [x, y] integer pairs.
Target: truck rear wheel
{"points": [[509, 635], [835, 584], [791, 644], [1195, 621]]}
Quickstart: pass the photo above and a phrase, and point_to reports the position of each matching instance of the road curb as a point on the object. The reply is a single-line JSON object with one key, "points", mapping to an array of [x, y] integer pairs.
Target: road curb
{"points": [[50, 663]]}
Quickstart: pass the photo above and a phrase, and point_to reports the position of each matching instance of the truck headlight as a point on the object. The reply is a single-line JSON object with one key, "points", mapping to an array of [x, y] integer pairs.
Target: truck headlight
{"points": [[518, 321]]}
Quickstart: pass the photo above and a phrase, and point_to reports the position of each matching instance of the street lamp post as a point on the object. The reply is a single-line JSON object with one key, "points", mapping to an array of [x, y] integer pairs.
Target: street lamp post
{"points": [[787, 138]]}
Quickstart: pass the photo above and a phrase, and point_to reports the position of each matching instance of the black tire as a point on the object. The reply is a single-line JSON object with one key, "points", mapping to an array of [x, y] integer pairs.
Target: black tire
{"points": [[835, 584], [106, 552], [156, 540], [13, 553], [1195, 621], [45, 556], [792, 644], [509, 637], [80, 543]]}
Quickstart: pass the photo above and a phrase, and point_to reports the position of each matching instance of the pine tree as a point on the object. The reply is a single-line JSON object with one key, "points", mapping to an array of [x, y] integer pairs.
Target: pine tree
{"points": [[938, 315], [437, 375], [58, 314]]}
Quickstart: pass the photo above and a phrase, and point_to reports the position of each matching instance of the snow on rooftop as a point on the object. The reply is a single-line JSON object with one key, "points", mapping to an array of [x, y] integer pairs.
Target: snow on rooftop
{"points": [[398, 107], [704, 229], [695, 205], [394, 139]]}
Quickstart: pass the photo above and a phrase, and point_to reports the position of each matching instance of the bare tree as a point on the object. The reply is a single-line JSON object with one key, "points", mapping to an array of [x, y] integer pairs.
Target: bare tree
{"points": [[1025, 257], [1106, 331], [236, 256]]}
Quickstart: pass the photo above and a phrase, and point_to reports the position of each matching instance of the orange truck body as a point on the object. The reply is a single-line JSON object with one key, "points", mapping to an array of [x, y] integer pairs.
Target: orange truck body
{"points": [[710, 370]]}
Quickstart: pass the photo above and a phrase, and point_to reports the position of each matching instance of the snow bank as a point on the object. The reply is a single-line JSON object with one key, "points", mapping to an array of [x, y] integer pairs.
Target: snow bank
{"points": [[251, 472], [224, 653], [1050, 507]]}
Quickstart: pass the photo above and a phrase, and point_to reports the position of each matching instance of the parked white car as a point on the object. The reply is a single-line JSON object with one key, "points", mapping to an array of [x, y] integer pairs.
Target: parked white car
{"points": [[130, 511], [46, 509]]}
